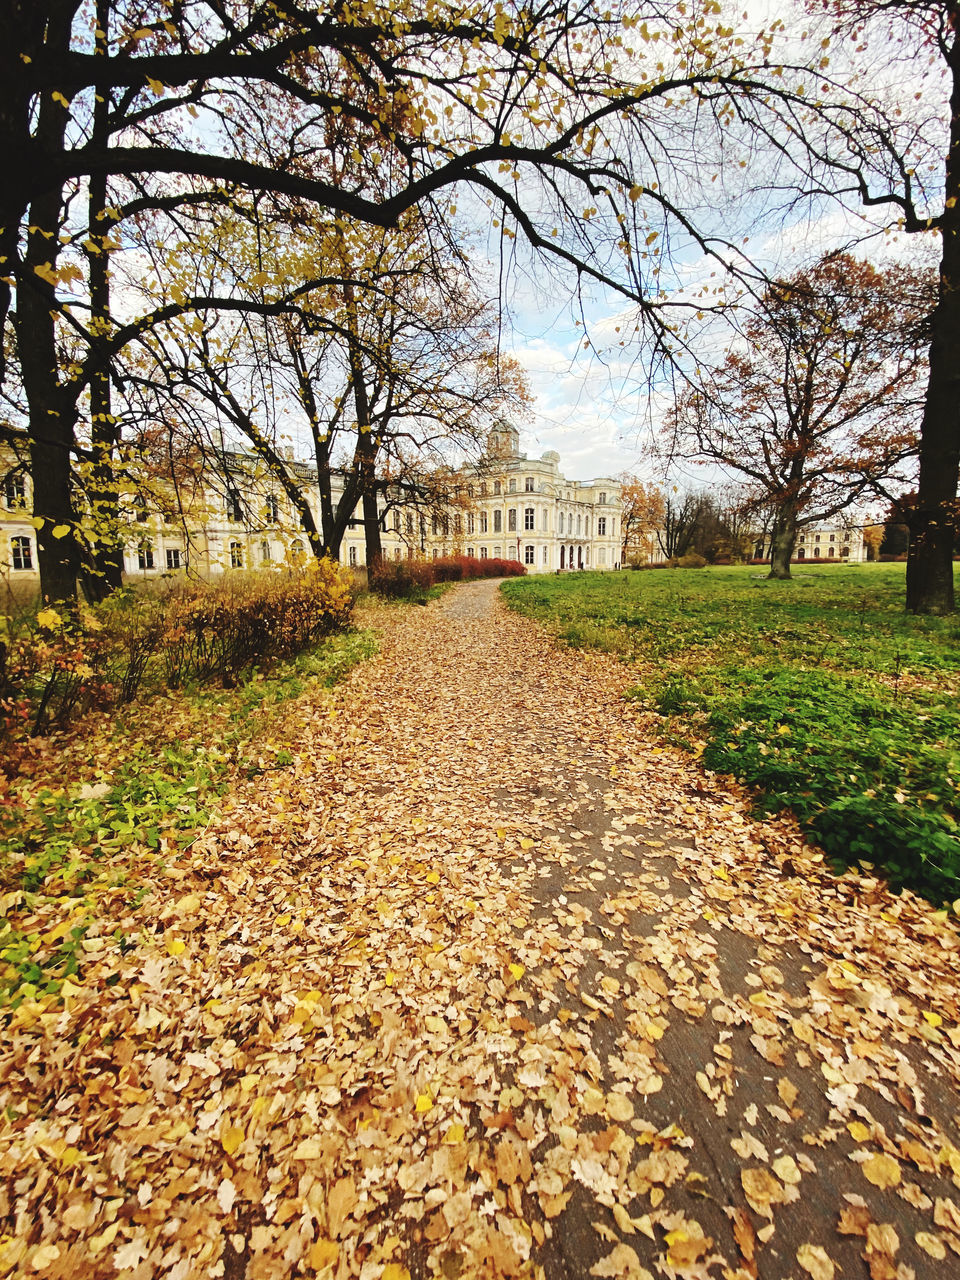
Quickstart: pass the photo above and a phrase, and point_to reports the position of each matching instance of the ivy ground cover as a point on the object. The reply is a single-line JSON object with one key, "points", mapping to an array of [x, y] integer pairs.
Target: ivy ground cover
{"points": [[819, 692]]}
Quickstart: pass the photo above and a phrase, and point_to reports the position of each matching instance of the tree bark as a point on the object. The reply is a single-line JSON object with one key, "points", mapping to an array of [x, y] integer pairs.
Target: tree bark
{"points": [[783, 539], [933, 517]]}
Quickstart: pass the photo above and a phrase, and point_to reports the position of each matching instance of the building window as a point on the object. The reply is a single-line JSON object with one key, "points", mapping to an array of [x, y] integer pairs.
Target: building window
{"points": [[601, 555], [483, 553], [601, 526], [816, 537], [529, 518], [409, 522], [458, 524], [801, 554], [22, 553], [436, 553], [561, 522], [236, 555], [483, 488], [265, 551], [409, 553], [496, 488], [173, 558], [145, 556], [546, 555], [484, 522], [498, 522], [844, 551], [579, 525], [833, 551], [512, 520], [528, 484], [15, 492], [602, 499], [469, 490], [298, 552], [833, 537], [846, 536], [396, 521], [513, 484], [586, 526], [470, 524], [546, 521], [528, 553], [496, 553], [234, 506], [273, 508], [352, 557], [470, 553], [397, 553]]}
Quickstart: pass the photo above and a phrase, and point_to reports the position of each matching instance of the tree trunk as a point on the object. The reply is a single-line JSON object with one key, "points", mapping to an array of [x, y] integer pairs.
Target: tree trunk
{"points": [[783, 539], [106, 573], [933, 518]]}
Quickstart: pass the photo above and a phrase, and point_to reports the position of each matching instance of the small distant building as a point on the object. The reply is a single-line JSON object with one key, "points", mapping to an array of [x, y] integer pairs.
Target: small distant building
{"points": [[825, 541]]}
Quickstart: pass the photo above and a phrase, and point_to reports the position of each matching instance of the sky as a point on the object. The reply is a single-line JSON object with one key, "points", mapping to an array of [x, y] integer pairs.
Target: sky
{"points": [[595, 405]]}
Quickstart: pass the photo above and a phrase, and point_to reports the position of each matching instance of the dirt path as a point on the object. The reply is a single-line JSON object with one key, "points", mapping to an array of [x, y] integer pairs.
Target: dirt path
{"points": [[485, 983]]}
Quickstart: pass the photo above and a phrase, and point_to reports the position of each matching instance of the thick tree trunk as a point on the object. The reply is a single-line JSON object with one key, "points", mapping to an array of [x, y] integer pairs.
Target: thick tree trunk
{"points": [[933, 518], [783, 539]]}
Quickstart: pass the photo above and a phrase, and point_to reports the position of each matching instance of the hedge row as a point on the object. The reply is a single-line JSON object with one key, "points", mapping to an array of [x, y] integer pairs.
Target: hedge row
{"points": [[411, 579]]}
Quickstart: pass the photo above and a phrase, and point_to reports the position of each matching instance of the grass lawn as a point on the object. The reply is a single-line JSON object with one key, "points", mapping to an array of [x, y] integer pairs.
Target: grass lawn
{"points": [[820, 692]]}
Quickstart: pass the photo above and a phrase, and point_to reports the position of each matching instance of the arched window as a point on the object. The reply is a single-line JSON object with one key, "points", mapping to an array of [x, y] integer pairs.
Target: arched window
{"points": [[528, 553], [21, 553], [298, 552], [265, 551], [512, 520], [236, 555], [529, 516]]}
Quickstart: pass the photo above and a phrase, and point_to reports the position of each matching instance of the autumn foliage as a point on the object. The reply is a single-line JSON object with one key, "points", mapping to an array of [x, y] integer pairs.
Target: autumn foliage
{"points": [[404, 579], [60, 666]]}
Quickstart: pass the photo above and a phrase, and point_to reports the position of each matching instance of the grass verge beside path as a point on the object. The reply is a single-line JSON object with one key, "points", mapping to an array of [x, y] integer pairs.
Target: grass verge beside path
{"points": [[101, 810], [820, 692]]}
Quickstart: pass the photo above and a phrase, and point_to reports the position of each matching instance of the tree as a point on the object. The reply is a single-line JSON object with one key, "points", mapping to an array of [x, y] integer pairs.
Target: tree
{"points": [[886, 157], [820, 402], [642, 510], [582, 129]]}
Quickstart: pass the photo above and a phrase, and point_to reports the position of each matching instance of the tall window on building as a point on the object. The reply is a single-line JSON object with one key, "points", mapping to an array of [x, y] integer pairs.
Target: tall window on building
{"points": [[546, 555], [513, 484], [434, 525], [529, 518], [234, 506], [273, 508], [498, 522], [21, 553], [409, 522], [528, 553], [470, 553], [265, 555], [601, 526], [470, 524], [496, 553], [352, 557], [528, 484], [602, 499], [458, 524], [546, 521], [483, 553], [484, 522], [396, 520], [140, 505], [483, 488], [496, 488], [174, 558], [512, 520], [579, 520], [144, 556], [298, 553], [236, 555], [561, 522], [15, 492]]}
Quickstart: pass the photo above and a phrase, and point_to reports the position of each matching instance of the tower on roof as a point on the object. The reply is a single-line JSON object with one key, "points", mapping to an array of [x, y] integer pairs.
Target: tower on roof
{"points": [[504, 441]]}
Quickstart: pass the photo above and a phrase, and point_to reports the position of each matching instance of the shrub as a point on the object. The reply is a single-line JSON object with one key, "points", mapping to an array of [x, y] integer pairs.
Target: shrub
{"points": [[60, 666], [412, 579], [692, 560]]}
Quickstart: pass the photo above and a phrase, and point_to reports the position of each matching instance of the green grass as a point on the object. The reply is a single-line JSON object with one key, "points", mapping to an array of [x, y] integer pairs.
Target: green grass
{"points": [[820, 692], [126, 794]]}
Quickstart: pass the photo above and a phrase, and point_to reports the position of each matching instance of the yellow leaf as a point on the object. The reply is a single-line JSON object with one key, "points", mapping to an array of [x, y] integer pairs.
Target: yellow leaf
{"points": [[282, 920], [57, 96], [323, 1253], [858, 1131], [49, 618], [390, 977], [454, 1134], [60, 530], [501, 834], [636, 193], [424, 1102], [813, 1258], [517, 970], [434, 1024], [931, 1244], [786, 1170], [395, 1271], [176, 946], [882, 1171], [933, 1018], [231, 1136], [526, 843], [433, 877]]}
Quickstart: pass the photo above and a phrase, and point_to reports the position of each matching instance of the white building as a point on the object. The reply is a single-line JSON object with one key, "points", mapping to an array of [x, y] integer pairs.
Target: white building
{"points": [[507, 506]]}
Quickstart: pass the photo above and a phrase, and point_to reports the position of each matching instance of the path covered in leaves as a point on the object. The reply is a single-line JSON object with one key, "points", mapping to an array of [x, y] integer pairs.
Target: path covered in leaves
{"points": [[488, 983]]}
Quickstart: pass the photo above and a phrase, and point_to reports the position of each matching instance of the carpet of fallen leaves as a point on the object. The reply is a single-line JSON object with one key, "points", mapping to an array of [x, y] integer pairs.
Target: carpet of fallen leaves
{"points": [[487, 982]]}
